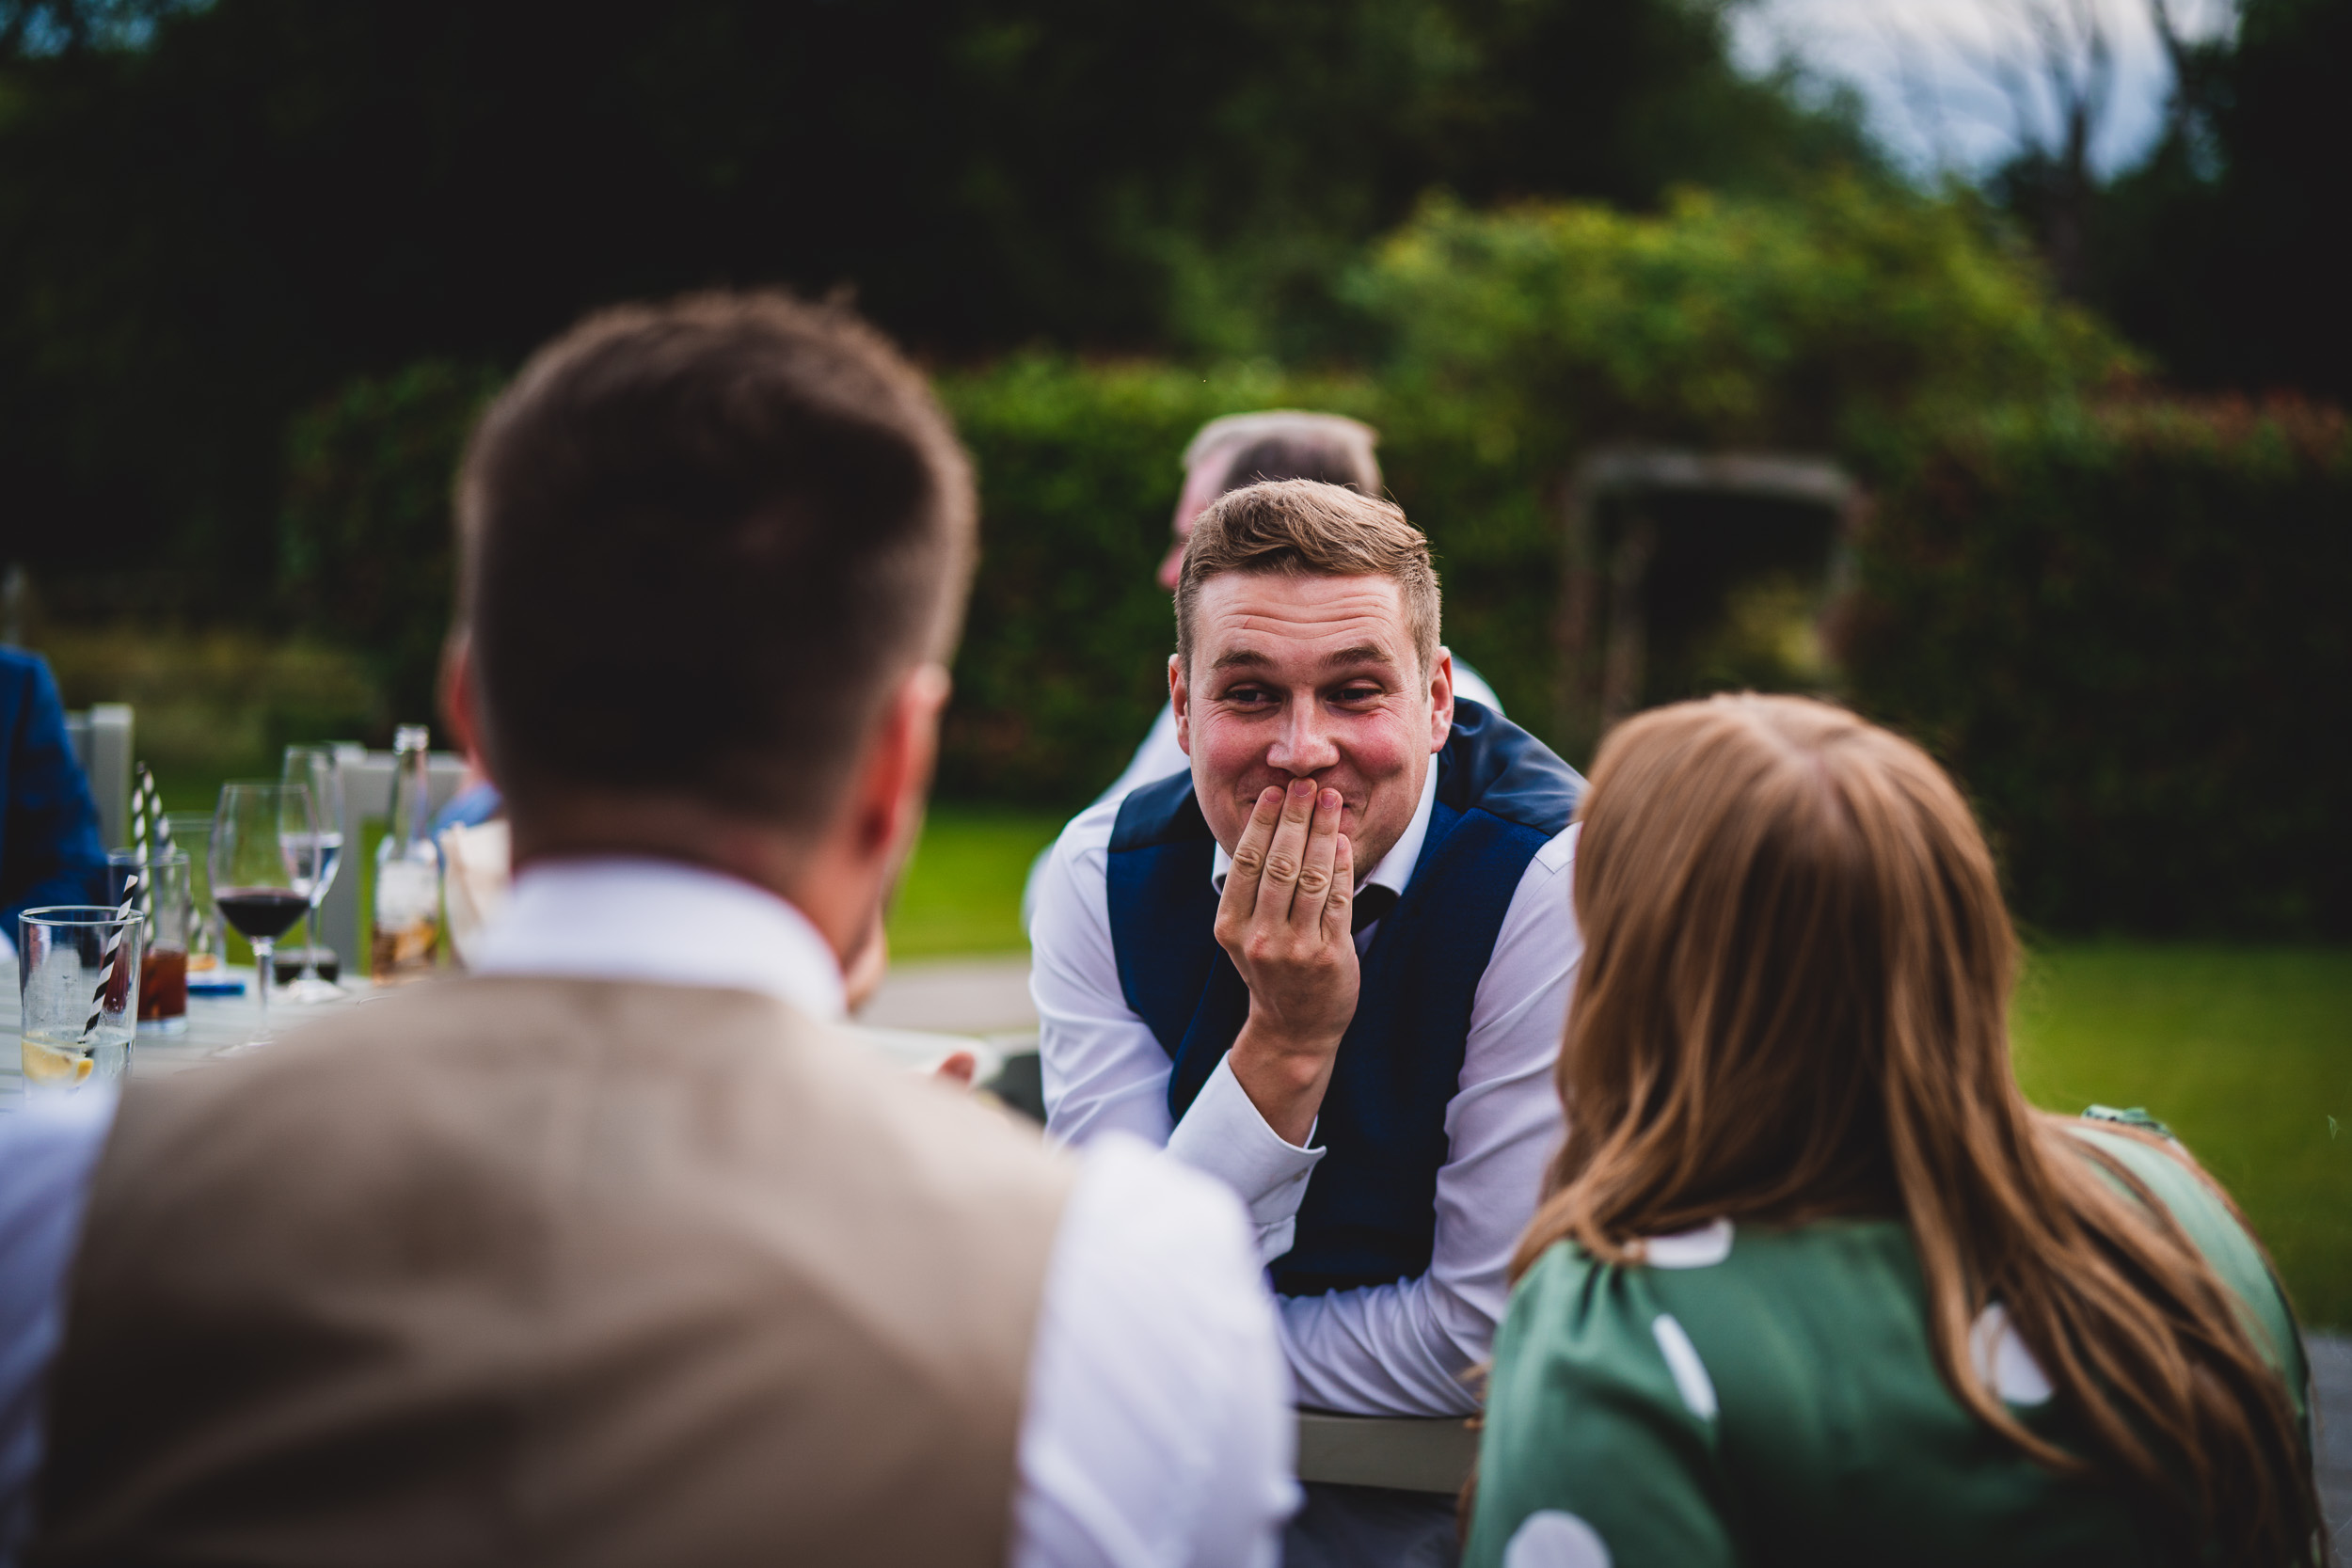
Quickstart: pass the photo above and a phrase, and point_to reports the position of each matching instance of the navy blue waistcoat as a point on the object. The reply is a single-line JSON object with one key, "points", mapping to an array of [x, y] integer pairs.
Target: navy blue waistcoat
{"points": [[1370, 1215]]}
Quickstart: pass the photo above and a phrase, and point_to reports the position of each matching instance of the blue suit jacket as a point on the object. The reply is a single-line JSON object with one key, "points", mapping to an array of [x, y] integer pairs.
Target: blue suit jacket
{"points": [[49, 851]]}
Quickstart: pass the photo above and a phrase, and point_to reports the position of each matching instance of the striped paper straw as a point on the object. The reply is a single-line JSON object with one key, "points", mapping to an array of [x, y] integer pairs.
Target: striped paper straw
{"points": [[114, 946], [146, 808], [155, 801], [134, 897]]}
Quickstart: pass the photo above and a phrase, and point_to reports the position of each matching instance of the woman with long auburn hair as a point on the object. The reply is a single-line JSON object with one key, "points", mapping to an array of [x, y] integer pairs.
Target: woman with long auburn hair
{"points": [[1811, 1283]]}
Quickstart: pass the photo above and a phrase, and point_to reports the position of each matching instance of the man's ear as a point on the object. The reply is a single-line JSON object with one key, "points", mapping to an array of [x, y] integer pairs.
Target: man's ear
{"points": [[887, 807], [1442, 700], [1180, 698]]}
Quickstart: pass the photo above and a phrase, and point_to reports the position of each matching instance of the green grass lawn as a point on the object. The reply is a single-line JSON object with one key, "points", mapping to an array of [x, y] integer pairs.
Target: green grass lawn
{"points": [[2245, 1052], [963, 891]]}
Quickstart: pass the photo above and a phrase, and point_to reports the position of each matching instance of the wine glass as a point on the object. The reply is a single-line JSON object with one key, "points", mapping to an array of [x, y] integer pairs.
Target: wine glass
{"points": [[265, 858], [320, 770]]}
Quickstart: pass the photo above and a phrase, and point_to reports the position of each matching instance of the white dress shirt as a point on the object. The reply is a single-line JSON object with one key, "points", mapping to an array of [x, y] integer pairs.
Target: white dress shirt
{"points": [[1400, 1349], [1156, 1429]]}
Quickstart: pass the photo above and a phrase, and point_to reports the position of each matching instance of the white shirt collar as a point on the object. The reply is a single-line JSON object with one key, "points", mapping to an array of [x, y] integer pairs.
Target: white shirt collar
{"points": [[625, 918], [1396, 867]]}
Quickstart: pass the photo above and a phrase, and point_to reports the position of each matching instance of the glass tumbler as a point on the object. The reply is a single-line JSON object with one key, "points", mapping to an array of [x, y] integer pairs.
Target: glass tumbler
{"points": [[77, 976], [192, 831], [168, 899]]}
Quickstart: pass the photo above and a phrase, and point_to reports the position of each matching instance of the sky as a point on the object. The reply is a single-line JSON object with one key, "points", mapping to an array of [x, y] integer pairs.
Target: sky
{"points": [[1948, 83]]}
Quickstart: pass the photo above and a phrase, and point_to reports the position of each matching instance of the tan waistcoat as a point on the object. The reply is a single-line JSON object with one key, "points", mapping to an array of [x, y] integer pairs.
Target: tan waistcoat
{"points": [[508, 1271]]}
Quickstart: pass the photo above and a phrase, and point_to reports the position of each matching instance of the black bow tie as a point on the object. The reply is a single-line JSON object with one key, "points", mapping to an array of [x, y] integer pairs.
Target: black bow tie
{"points": [[1371, 902]]}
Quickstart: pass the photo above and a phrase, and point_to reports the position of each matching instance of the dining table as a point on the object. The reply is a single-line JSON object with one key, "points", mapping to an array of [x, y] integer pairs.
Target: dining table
{"points": [[217, 1023]]}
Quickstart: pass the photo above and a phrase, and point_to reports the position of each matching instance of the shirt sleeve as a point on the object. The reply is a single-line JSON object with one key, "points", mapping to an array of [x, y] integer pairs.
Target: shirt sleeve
{"points": [[1105, 1071], [47, 1152], [1407, 1348], [49, 851], [1599, 1444], [1157, 1430]]}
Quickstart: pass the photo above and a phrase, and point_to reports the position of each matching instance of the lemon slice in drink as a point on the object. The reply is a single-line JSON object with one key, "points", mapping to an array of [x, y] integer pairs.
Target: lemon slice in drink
{"points": [[46, 1064]]}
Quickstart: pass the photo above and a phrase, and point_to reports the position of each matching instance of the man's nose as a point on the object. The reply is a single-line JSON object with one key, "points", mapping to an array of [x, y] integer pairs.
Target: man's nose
{"points": [[1304, 744]]}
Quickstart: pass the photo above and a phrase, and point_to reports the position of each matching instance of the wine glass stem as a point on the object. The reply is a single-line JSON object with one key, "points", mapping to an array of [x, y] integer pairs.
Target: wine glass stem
{"points": [[309, 945], [264, 981]]}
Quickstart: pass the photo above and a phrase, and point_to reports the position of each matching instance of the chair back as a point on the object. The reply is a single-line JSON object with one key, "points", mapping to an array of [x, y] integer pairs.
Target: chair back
{"points": [[100, 734]]}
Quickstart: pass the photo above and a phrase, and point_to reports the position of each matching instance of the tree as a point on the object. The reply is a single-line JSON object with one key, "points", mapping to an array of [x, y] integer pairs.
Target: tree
{"points": [[223, 214], [2225, 252]]}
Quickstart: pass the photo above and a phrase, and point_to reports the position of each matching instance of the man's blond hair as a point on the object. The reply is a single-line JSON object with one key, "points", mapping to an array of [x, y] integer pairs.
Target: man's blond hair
{"points": [[1304, 528]]}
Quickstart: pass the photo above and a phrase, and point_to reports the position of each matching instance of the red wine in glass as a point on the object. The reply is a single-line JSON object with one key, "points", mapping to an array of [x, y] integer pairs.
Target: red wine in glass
{"points": [[261, 878], [261, 913]]}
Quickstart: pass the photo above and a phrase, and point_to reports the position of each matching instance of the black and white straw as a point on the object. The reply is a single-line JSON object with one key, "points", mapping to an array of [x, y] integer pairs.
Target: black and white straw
{"points": [[134, 897]]}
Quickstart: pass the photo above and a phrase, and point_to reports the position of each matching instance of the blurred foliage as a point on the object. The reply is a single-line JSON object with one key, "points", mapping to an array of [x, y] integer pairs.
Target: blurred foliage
{"points": [[1842, 324], [213, 703], [2124, 630], [366, 542], [213, 215], [1836, 323], [1065, 649], [1516, 340]]}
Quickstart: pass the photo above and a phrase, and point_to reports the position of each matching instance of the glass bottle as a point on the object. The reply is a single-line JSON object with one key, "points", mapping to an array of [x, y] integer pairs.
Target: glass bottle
{"points": [[408, 871]]}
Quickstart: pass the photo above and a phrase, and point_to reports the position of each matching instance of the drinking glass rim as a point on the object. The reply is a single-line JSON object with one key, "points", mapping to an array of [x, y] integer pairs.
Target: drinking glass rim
{"points": [[97, 915], [135, 856]]}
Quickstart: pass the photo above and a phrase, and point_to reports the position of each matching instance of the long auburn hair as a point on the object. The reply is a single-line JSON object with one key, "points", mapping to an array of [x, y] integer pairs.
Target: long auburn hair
{"points": [[1793, 1004]]}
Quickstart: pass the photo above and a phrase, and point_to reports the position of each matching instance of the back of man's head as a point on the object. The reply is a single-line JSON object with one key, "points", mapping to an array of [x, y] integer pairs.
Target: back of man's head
{"points": [[1285, 443], [702, 542]]}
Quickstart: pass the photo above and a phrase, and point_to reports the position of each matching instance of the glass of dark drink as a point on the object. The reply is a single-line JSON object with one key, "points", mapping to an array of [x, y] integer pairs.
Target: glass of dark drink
{"points": [[165, 897], [265, 860]]}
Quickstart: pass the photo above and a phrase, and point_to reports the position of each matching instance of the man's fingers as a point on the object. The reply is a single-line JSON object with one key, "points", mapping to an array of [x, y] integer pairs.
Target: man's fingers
{"points": [[1287, 855], [1314, 875], [1338, 926], [1241, 881]]}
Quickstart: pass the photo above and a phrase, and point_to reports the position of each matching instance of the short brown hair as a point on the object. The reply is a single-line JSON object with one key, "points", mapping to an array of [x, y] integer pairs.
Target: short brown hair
{"points": [[1304, 528], [702, 540]]}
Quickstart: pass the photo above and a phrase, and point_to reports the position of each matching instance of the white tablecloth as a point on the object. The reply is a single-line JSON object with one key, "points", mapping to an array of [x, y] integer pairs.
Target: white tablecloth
{"points": [[214, 1021]]}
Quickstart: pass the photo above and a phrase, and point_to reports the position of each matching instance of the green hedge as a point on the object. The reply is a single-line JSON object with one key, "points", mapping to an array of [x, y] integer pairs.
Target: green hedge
{"points": [[1064, 657], [2117, 623], [2125, 630], [365, 540]]}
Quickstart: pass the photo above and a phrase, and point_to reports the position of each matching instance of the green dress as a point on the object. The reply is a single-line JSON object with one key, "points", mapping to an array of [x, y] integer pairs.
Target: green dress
{"points": [[1768, 1395]]}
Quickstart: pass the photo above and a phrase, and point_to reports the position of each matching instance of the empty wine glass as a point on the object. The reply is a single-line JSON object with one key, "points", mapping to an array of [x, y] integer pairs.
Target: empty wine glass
{"points": [[319, 769], [264, 858]]}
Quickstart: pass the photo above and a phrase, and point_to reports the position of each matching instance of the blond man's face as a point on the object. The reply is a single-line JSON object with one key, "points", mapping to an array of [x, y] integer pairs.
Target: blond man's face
{"points": [[1299, 676]]}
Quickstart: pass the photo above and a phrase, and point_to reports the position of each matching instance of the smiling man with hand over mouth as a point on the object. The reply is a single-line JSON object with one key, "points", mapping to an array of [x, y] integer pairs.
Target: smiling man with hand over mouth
{"points": [[1330, 965]]}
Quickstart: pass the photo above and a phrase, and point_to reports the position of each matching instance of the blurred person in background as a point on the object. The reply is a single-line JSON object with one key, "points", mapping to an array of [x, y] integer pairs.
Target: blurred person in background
{"points": [[1246, 449], [1811, 1281], [617, 1250], [49, 851], [1329, 963]]}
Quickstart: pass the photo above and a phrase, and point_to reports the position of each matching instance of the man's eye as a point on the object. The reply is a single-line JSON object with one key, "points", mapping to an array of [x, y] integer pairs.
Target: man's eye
{"points": [[1358, 694], [1249, 696]]}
